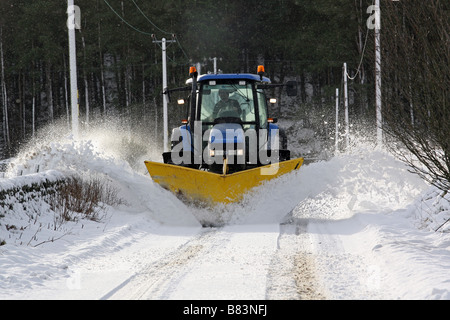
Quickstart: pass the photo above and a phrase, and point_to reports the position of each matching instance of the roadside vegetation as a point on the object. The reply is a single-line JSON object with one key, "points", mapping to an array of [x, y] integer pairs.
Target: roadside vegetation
{"points": [[70, 200]]}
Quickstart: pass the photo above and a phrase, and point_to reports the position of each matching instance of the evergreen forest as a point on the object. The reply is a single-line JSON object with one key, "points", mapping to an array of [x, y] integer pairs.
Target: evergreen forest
{"points": [[119, 60]]}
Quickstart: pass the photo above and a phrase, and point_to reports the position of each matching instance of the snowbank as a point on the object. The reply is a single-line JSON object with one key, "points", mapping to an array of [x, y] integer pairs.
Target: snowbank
{"points": [[367, 224], [362, 224]]}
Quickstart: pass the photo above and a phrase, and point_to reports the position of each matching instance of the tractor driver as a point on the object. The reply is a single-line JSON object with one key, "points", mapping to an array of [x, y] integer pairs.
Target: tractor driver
{"points": [[226, 107]]}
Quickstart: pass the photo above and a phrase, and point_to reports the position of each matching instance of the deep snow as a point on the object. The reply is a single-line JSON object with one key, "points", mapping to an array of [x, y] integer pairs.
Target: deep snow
{"points": [[358, 226]]}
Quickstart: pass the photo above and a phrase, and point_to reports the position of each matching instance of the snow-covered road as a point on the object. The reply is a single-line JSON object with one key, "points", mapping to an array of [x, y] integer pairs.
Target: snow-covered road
{"points": [[214, 262], [352, 227], [126, 262]]}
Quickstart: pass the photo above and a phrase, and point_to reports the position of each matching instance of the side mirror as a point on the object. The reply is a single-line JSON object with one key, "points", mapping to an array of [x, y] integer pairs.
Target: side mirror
{"points": [[291, 88]]}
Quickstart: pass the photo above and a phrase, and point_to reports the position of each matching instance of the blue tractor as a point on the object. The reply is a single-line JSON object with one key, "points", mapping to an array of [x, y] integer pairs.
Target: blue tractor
{"points": [[227, 143], [228, 125]]}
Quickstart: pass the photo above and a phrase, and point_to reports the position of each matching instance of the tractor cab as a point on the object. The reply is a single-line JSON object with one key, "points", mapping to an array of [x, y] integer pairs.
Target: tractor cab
{"points": [[227, 125], [234, 98], [232, 111]]}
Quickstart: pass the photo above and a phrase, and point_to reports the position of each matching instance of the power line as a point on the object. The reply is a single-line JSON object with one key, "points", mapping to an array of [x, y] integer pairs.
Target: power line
{"points": [[126, 22], [182, 50], [154, 25], [362, 54], [362, 58], [147, 18]]}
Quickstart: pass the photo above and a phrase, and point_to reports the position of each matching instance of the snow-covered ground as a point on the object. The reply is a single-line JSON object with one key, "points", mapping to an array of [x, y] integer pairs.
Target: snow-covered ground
{"points": [[358, 226]]}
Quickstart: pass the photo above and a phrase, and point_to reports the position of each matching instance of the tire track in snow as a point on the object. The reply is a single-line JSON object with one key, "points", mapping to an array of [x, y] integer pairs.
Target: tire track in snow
{"points": [[292, 272], [160, 278], [284, 260]]}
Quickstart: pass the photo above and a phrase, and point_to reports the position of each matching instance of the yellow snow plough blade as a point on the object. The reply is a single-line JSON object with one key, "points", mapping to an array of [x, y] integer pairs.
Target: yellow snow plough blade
{"points": [[212, 187]]}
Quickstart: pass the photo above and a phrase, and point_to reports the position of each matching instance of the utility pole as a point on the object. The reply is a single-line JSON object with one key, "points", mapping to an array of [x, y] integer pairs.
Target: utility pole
{"points": [[347, 128], [378, 74], [72, 12], [215, 64], [214, 60], [336, 142], [164, 42]]}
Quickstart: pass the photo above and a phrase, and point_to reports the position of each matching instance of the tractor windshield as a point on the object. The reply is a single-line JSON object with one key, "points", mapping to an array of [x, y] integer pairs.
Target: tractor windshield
{"points": [[227, 100]]}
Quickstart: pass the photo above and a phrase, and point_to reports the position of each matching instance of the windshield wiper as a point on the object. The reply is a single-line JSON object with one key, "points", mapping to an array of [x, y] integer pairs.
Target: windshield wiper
{"points": [[245, 97]]}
